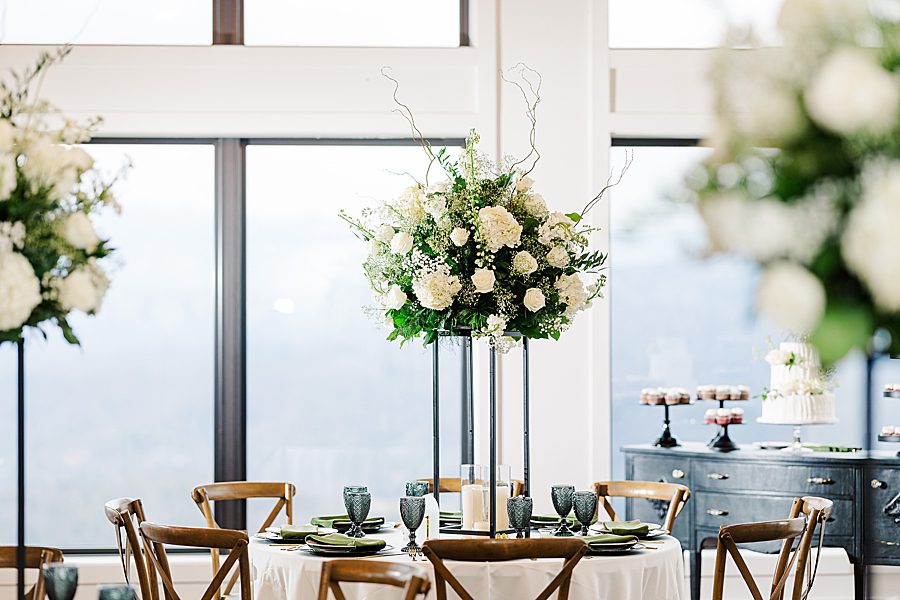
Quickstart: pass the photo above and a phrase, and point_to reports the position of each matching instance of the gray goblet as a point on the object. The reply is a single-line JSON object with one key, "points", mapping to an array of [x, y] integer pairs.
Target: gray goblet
{"points": [[116, 592], [353, 488], [416, 488], [562, 502], [412, 511], [519, 509], [585, 509], [358, 505], [60, 580]]}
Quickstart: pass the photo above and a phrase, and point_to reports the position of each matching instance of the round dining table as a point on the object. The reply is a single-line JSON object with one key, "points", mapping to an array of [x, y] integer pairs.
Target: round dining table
{"points": [[656, 573]]}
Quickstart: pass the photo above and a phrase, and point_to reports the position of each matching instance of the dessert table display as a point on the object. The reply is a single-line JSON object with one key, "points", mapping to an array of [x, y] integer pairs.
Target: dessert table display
{"points": [[657, 573]]}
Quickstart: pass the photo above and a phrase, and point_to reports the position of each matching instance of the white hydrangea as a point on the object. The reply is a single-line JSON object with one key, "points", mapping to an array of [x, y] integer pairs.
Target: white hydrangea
{"points": [[852, 93], [83, 289], [7, 174], [78, 231], [483, 280], [12, 236], [435, 206], [558, 257], [536, 206], [459, 236], [498, 228], [792, 297], [524, 263], [401, 243], [871, 242], [411, 204], [7, 135], [557, 227], [52, 166], [571, 293], [394, 298], [20, 290], [534, 299], [435, 289], [496, 325], [384, 233]]}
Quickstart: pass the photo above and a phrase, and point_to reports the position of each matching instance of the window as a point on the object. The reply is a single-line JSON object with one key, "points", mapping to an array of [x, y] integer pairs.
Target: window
{"points": [[330, 401], [173, 22], [131, 412], [688, 23], [681, 320], [435, 23]]}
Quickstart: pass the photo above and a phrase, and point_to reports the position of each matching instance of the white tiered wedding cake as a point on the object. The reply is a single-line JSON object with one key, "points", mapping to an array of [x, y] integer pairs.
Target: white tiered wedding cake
{"points": [[798, 394]]}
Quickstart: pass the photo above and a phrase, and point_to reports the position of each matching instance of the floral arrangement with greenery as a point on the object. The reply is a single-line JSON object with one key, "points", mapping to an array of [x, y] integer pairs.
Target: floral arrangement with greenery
{"points": [[805, 174], [50, 254], [478, 252]]}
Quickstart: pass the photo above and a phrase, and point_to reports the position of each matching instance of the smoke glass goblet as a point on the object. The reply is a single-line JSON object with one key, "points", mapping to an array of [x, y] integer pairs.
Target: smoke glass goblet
{"points": [[358, 505], [416, 488], [519, 509], [119, 591], [412, 511], [562, 501], [60, 580], [585, 509]]}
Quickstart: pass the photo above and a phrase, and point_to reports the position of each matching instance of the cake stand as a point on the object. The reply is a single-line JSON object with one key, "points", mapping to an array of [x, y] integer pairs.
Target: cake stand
{"points": [[666, 439], [894, 439], [796, 444], [722, 442]]}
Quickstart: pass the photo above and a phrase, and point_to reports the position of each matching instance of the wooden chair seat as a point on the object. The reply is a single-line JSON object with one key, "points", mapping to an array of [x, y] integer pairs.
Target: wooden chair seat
{"points": [[487, 550], [411, 579], [35, 558], [676, 494]]}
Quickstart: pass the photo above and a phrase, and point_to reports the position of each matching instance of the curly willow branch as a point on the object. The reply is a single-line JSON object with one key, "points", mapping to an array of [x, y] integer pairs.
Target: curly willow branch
{"points": [[405, 112], [530, 108], [629, 158]]}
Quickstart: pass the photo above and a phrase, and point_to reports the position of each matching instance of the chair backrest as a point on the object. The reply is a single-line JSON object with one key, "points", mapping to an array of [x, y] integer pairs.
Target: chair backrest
{"points": [[676, 494], [156, 537], [452, 484], [127, 514], [410, 578], [817, 512], [487, 550], [35, 558], [281, 492], [766, 531]]}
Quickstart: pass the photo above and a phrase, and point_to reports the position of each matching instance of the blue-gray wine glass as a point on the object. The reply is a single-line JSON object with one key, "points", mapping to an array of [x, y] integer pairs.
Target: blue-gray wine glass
{"points": [[60, 580], [562, 501], [585, 509], [519, 509], [358, 505], [412, 511], [116, 592]]}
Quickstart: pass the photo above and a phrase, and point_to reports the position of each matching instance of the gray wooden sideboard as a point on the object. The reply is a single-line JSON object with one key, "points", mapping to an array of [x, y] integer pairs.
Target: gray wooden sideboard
{"points": [[758, 485]]}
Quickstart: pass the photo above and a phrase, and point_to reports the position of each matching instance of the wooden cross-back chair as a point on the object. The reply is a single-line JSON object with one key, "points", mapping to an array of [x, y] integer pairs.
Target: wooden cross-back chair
{"points": [[676, 494], [411, 579], [205, 495], [156, 537], [767, 531], [569, 549], [817, 512], [35, 558], [127, 514], [453, 484]]}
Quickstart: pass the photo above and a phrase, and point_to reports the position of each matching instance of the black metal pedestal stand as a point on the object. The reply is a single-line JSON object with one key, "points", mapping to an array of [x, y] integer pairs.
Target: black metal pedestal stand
{"points": [[722, 442], [20, 539], [666, 439], [468, 395]]}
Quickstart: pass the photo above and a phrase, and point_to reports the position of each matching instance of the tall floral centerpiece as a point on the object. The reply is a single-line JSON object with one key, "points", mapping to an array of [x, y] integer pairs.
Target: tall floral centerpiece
{"points": [[478, 251], [805, 175]]}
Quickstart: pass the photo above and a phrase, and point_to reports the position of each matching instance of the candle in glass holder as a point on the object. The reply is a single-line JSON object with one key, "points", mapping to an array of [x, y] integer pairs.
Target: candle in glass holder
{"points": [[472, 504], [501, 494]]}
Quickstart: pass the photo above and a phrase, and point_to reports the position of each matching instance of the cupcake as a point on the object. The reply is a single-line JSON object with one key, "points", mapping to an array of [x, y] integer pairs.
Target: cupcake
{"points": [[652, 396], [888, 430], [709, 416], [723, 416], [672, 396], [706, 392], [734, 393], [723, 392], [645, 396], [737, 415], [745, 392]]}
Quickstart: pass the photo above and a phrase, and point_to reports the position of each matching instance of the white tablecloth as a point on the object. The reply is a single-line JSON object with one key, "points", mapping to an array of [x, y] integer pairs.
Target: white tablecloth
{"points": [[656, 574]]}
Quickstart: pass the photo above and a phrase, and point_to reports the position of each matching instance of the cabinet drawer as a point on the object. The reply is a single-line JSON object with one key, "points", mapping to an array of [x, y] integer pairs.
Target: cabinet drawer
{"points": [[802, 480], [651, 468], [882, 489], [714, 509]]}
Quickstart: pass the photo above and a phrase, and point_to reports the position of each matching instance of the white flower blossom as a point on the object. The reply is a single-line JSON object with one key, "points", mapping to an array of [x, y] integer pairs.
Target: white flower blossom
{"points": [[20, 290], [778, 358], [12, 236], [436, 289], [524, 184], [411, 203], [571, 293], [7, 136], [401, 243], [557, 227], [435, 206], [7, 174], [459, 236], [499, 228], [536, 206], [792, 297], [534, 299], [84, 288], [483, 280], [496, 325], [524, 263], [558, 257], [54, 167], [78, 231], [384, 233], [394, 298]]}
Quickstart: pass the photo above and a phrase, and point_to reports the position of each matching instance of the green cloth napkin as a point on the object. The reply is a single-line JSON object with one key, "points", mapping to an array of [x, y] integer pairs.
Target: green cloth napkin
{"points": [[339, 539], [451, 516], [631, 528], [607, 538], [298, 532], [550, 519], [343, 521]]}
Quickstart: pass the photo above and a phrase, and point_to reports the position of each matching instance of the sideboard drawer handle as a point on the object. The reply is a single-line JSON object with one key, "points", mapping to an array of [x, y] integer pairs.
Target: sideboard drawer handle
{"points": [[677, 474], [717, 476], [820, 480], [715, 512], [876, 484], [889, 543]]}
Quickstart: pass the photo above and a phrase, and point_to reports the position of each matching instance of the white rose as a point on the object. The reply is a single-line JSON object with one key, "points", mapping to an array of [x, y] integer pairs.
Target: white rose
{"points": [[394, 298], [535, 205], [483, 280], [7, 135], [499, 228], [374, 247], [871, 244], [792, 297], [436, 289], [534, 299], [401, 243], [524, 263], [524, 184], [384, 233], [459, 236], [7, 175], [558, 257], [83, 289], [78, 231], [20, 290], [776, 357], [852, 93]]}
